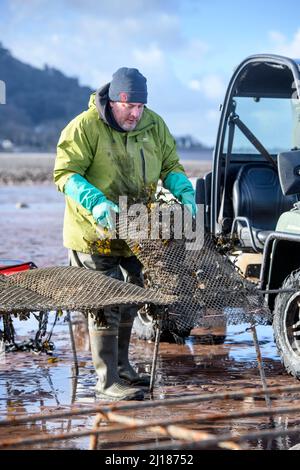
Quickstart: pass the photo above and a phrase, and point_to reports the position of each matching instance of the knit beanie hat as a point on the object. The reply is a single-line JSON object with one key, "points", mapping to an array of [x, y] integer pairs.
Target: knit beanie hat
{"points": [[128, 85]]}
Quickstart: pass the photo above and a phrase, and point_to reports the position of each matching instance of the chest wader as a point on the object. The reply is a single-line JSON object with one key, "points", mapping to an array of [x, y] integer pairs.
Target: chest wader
{"points": [[108, 359], [133, 275], [104, 348]]}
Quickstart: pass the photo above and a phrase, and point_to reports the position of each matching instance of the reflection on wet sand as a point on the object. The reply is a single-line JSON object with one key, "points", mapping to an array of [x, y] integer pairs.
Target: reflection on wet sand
{"points": [[31, 383]]}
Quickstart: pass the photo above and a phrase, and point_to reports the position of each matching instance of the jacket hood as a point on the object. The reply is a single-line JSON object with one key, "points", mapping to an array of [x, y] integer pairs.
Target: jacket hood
{"points": [[99, 100]]}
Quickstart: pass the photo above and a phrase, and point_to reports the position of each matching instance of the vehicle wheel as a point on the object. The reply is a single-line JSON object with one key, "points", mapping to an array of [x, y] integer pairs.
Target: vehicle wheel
{"points": [[143, 327], [286, 324], [295, 447]]}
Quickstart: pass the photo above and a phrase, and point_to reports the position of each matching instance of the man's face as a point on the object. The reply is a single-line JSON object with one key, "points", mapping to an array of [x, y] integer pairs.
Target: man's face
{"points": [[127, 115]]}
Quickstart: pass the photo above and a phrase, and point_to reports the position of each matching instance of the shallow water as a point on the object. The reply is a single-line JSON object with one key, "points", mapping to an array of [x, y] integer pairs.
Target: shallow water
{"points": [[33, 232], [31, 383]]}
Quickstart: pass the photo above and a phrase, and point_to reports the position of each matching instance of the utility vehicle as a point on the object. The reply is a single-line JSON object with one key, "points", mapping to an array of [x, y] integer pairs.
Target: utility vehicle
{"points": [[251, 195]]}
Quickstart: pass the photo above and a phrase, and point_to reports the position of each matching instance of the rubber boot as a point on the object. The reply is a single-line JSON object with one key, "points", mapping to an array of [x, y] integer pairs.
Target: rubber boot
{"points": [[126, 371], [104, 347]]}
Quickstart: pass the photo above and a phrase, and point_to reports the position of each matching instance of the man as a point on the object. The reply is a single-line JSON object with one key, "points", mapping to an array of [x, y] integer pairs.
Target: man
{"points": [[118, 147]]}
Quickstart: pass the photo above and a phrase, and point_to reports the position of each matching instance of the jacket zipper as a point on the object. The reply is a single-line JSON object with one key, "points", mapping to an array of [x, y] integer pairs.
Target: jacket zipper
{"points": [[143, 165]]}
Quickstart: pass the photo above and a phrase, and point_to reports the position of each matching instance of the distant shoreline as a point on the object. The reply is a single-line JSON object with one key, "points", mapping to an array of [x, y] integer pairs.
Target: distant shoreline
{"points": [[36, 168]]}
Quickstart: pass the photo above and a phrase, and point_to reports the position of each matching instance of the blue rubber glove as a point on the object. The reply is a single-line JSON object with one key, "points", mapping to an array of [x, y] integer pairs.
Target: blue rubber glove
{"points": [[102, 213], [92, 199], [181, 187]]}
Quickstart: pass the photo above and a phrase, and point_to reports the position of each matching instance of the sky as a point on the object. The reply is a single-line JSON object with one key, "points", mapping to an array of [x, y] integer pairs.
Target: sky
{"points": [[187, 49]]}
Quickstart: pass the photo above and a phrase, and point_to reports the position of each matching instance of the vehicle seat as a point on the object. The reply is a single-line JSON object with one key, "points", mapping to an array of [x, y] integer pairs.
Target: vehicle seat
{"points": [[257, 195]]}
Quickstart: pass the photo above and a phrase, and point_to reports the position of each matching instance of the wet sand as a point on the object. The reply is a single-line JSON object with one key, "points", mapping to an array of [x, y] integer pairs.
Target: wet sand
{"points": [[31, 383]]}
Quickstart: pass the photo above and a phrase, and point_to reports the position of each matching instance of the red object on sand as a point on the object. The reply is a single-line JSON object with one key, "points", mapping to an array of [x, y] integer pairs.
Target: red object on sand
{"points": [[9, 267]]}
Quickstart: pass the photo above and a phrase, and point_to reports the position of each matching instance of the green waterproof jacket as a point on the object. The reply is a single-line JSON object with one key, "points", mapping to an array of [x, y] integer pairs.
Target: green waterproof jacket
{"points": [[118, 163]]}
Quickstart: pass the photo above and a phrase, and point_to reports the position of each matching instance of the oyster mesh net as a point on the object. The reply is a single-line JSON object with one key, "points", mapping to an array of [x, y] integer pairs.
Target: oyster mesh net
{"points": [[209, 288], [198, 285], [70, 288]]}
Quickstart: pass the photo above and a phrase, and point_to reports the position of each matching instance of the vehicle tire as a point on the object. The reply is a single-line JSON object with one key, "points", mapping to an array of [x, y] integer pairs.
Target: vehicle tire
{"points": [[144, 328], [286, 324], [295, 447]]}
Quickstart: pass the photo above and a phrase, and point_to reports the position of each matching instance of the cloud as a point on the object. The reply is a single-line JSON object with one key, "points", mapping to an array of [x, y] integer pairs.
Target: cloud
{"points": [[212, 86], [196, 49], [91, 39], [197, 122], [283, 46], [149, 57], [92, 42], [119, 8], [213, 115]]}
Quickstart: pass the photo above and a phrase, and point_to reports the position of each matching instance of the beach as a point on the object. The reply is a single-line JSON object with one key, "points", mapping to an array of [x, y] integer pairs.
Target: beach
{"points": [[31, 220], [32, 168]]}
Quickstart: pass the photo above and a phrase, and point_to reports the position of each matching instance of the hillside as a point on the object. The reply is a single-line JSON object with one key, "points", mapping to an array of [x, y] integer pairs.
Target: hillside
{"points": [[38, 103]]}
